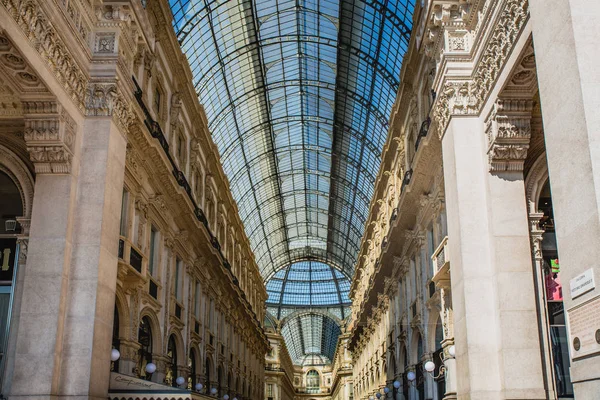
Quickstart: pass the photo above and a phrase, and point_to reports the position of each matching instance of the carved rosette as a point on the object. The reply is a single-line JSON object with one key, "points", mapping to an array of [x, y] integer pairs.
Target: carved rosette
{"points": [[50, 136], [509, 133]]}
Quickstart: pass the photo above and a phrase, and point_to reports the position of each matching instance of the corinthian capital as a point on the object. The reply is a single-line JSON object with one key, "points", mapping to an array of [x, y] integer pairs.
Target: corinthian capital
{"points": [[106, 99], [49, 135]]}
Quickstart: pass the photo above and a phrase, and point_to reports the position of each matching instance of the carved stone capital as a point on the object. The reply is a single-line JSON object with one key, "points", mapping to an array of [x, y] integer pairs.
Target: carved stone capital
{"points": [[509, 133], [23, 243], [49, 134], [106, 99]]}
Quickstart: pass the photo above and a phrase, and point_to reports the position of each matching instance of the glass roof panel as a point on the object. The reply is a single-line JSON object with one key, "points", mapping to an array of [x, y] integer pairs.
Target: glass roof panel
{"points": [[308, 283], [310, 337], [298, 96]]}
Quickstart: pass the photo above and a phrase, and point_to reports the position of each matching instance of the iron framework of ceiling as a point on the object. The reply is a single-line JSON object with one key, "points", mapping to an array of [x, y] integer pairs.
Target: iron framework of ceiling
{"points": [[298, 96]]}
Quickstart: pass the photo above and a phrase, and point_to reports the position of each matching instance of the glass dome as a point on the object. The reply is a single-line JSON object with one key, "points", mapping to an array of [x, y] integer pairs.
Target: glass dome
{"points": [[308, 284]]}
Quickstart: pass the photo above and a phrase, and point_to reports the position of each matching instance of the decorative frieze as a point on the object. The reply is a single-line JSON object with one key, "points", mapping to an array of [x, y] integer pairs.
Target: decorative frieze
{"points": [[50, 135]]}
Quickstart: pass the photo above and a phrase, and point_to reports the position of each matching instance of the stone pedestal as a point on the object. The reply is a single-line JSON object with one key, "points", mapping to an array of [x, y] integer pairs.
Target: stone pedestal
{"points": [[495, 323], [565, 34]]}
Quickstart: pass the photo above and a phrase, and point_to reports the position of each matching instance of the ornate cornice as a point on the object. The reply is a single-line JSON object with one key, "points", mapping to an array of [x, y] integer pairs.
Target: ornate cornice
{"points": [[44, 37], [467, 96]]}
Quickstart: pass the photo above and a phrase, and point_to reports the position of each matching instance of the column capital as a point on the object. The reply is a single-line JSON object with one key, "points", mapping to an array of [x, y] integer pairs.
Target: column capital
{"points": [[50, 135], [509, 131], [106, 98]]}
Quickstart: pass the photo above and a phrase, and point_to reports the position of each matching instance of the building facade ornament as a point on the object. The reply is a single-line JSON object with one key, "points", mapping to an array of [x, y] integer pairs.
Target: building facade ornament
{"points": [[467, 96], [50, 135], [35, 25], [509, 132], [106, 99]]}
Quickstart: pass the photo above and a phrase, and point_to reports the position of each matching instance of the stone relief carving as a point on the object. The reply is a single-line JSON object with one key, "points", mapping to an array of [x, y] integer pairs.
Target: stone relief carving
{"points": [[509, 132], [105, 99], [43, 36], [467, 97], [50, 136]]}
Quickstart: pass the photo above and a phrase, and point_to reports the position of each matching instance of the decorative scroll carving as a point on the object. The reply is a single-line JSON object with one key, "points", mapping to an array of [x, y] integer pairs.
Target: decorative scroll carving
{"points": [[50, 136], [23, 243]]}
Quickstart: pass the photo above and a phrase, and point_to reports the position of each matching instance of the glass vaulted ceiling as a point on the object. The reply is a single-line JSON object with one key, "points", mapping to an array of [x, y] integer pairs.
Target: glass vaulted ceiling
{"points": [[298, 95]]}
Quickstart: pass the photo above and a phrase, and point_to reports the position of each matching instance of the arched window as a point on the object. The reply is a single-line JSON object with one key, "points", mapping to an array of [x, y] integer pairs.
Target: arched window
{"points": [[313, 381], [11, 205], [207, 374], [439, 334], [115, 339], [145, 341], [192, 367], [219, 380], [171, 374]]}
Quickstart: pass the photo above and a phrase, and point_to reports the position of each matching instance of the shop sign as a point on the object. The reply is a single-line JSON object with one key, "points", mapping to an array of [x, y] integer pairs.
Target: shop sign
{"points": [[8, 251], [582, 283]]}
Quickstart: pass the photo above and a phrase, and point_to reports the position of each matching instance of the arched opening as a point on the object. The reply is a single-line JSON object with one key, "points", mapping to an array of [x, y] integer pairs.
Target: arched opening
{"points": [[553, 294], [145, 341], [11, 205], [207, 374], [171, 373], [420, 381], [440, 382], [192, 366], [313, 381], [116, 343], [220, 381]]}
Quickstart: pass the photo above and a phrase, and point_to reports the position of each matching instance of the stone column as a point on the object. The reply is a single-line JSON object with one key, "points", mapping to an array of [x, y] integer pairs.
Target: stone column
{"points": [[35, 351], [565, 35], [93, 275], [450, 372], [495, 322]]}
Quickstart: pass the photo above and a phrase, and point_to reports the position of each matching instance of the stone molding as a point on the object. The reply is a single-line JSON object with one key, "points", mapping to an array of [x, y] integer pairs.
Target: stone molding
{"points": [[467, 96], [43, 36], [50, 135]]}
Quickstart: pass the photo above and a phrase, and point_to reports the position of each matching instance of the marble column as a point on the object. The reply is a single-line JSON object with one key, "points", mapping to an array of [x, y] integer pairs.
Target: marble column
{"points": [[495, 322], [34, 361], [93, 273], [66, 316], [565, 34]]}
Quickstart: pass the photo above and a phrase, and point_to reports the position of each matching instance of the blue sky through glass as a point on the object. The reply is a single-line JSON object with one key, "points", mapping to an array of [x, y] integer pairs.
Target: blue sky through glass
{"points": [[298, 96]]}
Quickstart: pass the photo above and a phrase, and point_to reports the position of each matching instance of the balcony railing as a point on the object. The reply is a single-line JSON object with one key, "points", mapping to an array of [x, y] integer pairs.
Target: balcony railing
{"points": [[440, 261]]}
